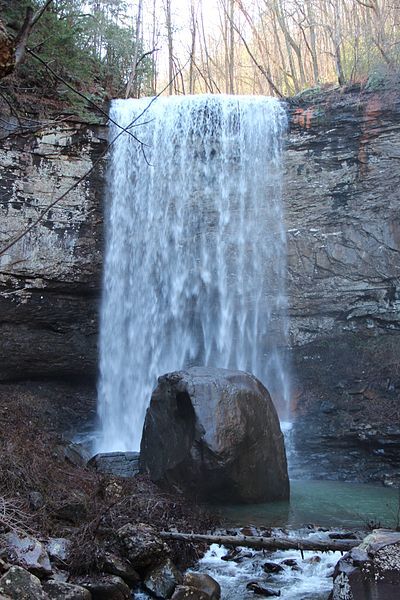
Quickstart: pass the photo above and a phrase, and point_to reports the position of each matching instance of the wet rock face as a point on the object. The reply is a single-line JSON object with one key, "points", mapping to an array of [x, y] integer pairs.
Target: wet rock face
{"points": [[343, 221], [371, 570], [49, 281], [215, 434]]}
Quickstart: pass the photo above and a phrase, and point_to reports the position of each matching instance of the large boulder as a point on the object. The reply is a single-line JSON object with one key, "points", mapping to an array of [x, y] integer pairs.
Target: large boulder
{"points": [[27, 552], [215, 434], [370, 570]]}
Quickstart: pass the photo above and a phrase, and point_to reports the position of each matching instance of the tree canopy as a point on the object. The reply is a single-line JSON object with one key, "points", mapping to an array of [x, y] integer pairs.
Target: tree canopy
{"points": [[92, 44]]}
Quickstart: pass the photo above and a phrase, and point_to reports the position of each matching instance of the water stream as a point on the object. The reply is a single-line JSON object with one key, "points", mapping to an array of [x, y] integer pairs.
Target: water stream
{"points": [[196, 251]]}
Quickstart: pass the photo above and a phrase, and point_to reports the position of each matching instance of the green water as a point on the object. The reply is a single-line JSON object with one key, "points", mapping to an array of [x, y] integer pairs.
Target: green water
{"points": [[323, 504]]}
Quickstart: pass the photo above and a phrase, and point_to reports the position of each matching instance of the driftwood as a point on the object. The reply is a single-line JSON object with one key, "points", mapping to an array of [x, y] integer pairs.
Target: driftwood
{"points": [[264, 543]]}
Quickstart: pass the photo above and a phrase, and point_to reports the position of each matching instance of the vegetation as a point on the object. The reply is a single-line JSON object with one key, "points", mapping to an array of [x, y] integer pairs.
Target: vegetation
{"points": [[130, 48], [281, 47], [92, 44]]}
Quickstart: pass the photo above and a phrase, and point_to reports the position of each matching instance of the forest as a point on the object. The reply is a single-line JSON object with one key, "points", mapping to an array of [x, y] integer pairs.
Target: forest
{"points": [[115, 48]]}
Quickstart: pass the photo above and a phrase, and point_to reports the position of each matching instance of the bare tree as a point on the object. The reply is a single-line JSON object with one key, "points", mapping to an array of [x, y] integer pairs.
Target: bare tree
{"points": [[132, 87]]}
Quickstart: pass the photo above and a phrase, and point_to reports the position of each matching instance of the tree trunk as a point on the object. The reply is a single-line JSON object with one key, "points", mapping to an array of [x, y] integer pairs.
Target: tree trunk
{"points": [[264, 543], [7, 52], [132, 86], [170, 47]]}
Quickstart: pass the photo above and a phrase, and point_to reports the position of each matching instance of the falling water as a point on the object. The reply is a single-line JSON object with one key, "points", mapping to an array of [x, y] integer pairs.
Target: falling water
{"points": [[195, 260]]}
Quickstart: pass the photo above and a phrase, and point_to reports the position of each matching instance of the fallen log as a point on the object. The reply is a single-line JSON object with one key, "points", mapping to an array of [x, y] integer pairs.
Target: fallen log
{"points": [[264, 543]]}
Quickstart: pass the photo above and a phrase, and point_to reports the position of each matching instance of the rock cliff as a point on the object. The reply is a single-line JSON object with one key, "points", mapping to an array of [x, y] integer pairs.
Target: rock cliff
{"points": [[342, 184], [343, 213], [50, 280]]}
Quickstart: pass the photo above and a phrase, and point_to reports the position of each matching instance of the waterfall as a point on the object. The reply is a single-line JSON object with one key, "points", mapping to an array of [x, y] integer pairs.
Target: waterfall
{"points": [[195, 251]]}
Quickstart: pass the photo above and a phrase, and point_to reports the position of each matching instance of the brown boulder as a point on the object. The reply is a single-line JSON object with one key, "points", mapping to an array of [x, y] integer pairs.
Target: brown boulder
{"points": [[185, 592], [204, 583], [215, 434]]}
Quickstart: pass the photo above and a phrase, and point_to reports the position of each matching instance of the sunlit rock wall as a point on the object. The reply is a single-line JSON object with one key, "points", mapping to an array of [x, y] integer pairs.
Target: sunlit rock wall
{"points": [[49, 281]]}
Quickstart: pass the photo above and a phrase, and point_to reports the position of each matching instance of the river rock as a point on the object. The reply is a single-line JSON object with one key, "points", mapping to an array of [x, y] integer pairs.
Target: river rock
{"points": [[141, 545], [106, 587], [371, 570], [19, 584], [270, 567], [260, 590], [115, 565], [204, 583], [215, 434], [27, 552], [162, 580], [57, 590], [185, 592]]}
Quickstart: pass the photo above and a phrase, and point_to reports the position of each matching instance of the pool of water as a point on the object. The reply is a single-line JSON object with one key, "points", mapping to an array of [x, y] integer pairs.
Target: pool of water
{"points": [[322, 504]]}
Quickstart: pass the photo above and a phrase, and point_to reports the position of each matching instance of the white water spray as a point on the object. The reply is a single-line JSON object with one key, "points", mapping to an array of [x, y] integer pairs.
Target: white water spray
{"points": [[196, 251]]}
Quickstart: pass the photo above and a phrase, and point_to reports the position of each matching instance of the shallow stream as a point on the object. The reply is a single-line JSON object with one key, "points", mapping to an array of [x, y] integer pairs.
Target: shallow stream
{"points": [[316, 509]]}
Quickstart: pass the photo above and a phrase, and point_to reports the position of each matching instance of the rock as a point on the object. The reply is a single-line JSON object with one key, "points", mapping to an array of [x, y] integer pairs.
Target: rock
{"points": [[260, 590], [236, 555], [270, 567], [290, 562], [162, 580], [57, 590], [36, 500], [74, 510], [215, 434], [117, 566], [19, 584], [49, 301], [58, 549], [371, 570], [76, 454], [204, 583], [185, 592], [313, 559], [121, 464], [106, 587], [346, 535], [141, 545], [27, 552], [4, 566]]}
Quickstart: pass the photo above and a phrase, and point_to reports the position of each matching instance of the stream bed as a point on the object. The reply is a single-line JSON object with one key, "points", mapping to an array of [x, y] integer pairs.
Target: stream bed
{"points": [[316, 509]]}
